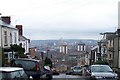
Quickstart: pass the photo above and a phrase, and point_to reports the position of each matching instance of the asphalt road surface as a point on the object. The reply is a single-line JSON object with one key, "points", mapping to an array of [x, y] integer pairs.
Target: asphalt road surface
{"points": [[69, 77]]}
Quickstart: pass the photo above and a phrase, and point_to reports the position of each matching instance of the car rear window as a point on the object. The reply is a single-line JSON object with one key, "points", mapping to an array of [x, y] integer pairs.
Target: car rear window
{"points": [[77, 68], [25, 64]]}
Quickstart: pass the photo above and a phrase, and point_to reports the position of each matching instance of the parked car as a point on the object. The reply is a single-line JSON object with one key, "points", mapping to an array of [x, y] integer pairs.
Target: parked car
{"points": [[101, 72], [31, 67], [76, 70], [12, 73]]}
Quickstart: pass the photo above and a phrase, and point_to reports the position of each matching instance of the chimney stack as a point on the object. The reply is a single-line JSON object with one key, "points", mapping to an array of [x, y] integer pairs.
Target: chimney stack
{"points": [[20, 28], [6, 19]]}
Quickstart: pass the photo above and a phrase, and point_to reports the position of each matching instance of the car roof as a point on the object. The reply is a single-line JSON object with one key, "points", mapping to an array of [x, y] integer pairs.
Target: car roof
{"points": [[99, 65], [26, 59], [10, 69], [76, 66]]}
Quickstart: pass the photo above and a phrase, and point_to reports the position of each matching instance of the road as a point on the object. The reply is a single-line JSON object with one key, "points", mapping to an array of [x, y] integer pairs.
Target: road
{"points": [[69, 77]]}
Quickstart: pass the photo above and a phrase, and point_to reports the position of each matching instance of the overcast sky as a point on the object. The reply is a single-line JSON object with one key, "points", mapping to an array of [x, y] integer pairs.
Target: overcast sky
{"points": [[67, 19]]}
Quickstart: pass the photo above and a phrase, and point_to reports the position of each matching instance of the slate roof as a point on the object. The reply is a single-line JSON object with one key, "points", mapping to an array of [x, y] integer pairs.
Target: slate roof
{"points": [[3, 24], [22, 38]]}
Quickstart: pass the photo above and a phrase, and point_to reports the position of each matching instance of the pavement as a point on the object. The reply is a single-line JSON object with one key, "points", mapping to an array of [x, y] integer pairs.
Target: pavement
{"points": [[63, 76]]}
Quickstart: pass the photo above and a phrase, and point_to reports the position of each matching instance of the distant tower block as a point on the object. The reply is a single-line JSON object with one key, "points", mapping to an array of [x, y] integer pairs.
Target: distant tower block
{"points": [[81, 47], [63, 49]]}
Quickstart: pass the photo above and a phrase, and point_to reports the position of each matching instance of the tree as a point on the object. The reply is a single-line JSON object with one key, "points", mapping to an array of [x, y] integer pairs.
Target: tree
{"points": [[48, 62], [18, 49], [3, 57]]}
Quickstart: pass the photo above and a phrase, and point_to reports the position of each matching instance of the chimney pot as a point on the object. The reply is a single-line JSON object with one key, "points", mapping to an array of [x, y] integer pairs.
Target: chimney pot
{"points": [[20, 28]]}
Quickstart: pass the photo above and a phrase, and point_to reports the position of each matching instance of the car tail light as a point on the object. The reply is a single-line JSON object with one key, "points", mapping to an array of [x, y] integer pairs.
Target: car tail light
{"points": [[37, 67]]}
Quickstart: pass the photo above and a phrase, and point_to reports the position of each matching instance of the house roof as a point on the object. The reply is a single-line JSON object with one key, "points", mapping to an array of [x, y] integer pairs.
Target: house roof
{"points": [[3, 24], [95, 47], [22, 38]]}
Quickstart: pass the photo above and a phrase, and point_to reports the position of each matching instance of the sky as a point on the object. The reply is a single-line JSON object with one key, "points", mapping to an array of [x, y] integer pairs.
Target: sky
{"points": [[67, 19]]}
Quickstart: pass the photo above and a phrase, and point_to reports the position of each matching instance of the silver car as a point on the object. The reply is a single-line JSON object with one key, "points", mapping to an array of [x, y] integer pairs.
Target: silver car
{"points": [[12, 73], [102, 72]]}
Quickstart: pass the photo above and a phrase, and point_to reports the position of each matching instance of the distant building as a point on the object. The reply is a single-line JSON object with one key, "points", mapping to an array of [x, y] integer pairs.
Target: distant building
{"points": [[32, 52], [107, 47], [63, 49], [81, 47], [94, 54]]}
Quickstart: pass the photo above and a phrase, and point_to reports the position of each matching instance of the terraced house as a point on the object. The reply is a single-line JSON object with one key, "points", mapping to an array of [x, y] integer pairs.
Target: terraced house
{"points": [[8, 36]]}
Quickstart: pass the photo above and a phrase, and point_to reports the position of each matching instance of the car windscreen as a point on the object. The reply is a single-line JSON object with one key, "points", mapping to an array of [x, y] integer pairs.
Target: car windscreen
{"points": [[25, 64], [101, 69], [77, 68], [4, 75]]}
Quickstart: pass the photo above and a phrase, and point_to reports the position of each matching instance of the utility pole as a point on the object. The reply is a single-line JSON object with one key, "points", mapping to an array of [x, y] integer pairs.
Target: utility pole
{"points": [[1, 51]]}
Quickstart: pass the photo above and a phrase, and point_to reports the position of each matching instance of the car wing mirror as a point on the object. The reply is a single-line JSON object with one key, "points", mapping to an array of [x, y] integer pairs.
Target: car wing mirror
{"points": [[115, 71]]}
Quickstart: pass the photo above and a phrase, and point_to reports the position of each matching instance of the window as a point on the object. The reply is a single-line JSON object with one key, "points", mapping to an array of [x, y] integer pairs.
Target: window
{"points": [[109, 44], [10, 38], [6, 55], [110, 56], [15, 37], [26, 63], [5, 38]]}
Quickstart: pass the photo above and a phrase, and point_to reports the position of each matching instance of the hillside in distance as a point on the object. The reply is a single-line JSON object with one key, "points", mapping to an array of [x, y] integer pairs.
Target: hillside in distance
{"points": [[34, 43]]}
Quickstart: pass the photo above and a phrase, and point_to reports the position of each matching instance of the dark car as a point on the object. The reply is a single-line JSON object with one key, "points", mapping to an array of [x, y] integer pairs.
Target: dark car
{"points": [[102, 72], [12, 73], [31, 67]]}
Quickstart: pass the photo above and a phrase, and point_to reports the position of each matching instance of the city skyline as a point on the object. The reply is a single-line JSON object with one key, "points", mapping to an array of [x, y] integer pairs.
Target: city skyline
{"points": [[67, 19]]}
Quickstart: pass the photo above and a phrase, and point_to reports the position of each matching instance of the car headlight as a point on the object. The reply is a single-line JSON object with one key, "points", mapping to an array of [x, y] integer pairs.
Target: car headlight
{"points": [[116, 76], [97, 77]]}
